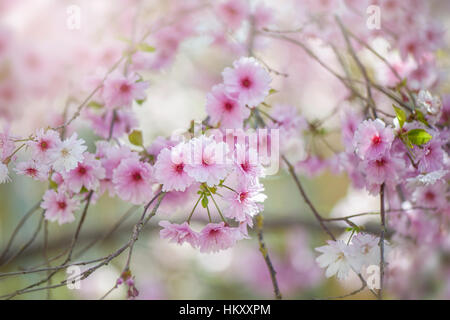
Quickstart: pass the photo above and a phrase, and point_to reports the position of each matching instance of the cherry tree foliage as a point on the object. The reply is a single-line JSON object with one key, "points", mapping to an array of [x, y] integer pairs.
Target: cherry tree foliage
{"points": [[390, 111]]}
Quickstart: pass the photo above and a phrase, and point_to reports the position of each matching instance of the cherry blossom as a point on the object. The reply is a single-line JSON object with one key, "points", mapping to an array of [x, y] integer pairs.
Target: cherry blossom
{"points": [[372, 139], [133, 180], [248, 80], [59, 207], [66, 155]]}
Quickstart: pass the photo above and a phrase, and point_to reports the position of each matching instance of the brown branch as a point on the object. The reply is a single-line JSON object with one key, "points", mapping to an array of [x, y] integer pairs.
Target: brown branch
{"points": [[16, 231], [104, 261], [28, 243], [306, 198], [265, 254], [382, 235], [371, 102]]}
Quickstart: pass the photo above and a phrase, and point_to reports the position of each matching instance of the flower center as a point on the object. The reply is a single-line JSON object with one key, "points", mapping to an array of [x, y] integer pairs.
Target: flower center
{"points": [[231, 11], [246, 83], [82, 170], [376, 140], [31, 171], [44, 145], [125, 88], [206, 161], [228, 106], [243, 196], [245, 166], [429, 196], [380, 162], [65, 153], [179, 168], [137, 176], [62, 205]]}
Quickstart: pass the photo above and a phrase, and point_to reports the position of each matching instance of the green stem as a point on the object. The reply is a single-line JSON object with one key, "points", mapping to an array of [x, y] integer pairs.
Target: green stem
{"points": [[193, 209], [215, 204]]}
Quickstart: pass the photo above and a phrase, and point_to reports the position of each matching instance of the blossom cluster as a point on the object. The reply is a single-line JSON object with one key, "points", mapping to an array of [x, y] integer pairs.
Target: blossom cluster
{"points": [[395, 147], [339, 257]]}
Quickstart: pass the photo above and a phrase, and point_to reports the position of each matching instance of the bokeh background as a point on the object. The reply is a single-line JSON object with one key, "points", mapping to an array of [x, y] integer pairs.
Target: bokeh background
{"points": [[45, 73]]}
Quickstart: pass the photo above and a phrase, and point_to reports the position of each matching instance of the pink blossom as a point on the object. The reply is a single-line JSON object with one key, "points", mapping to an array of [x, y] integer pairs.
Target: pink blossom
{"points": [[34, 169], [170, 169], [248, 80], [179, 233], [262, 15], [431, 156], [158, 145], [233, 12], [434, 36], [120, 91], [175, 201], [59, 207], [124, 122], [411, 44], [372, 139], [111, 157], [7, 146], [87, 174], [133, 181], [311, 166], [216, 236], [208, 162], [247, 164], [288, 120], [224, 108], [383, 169], [349, 122], [244, 202], [43, 143], [424, 76], [349, 162], [432, 196]]}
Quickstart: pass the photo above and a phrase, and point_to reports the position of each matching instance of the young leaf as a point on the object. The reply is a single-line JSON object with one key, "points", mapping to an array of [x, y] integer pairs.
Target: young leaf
{"points": [[401, 115], [419, 136], [145, 47], [53, 185], [205, 202], [135, 138], [420, 117], [95, 105]]}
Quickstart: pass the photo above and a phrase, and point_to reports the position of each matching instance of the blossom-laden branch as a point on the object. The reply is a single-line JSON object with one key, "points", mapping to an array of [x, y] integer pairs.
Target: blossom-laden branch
{"points": [[389, 153]]}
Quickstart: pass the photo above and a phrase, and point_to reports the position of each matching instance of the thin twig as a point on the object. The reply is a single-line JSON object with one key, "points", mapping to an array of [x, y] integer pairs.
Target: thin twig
{"points": [[306, 198], [265, 254], [17, 229], [382, 234]]}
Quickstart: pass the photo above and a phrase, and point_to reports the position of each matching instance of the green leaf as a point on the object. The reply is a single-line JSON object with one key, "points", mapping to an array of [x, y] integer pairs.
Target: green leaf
{"points": [[401, 115], [84, 190], [95, 105], [145, 47], [135, 138], [419, 136], [420, 117], [53, 185], [205, 202], [126, 40], [140, 102]]}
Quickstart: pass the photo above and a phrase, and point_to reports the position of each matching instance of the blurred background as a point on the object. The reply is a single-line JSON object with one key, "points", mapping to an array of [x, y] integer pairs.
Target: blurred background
{"points": [[46, 61]]}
